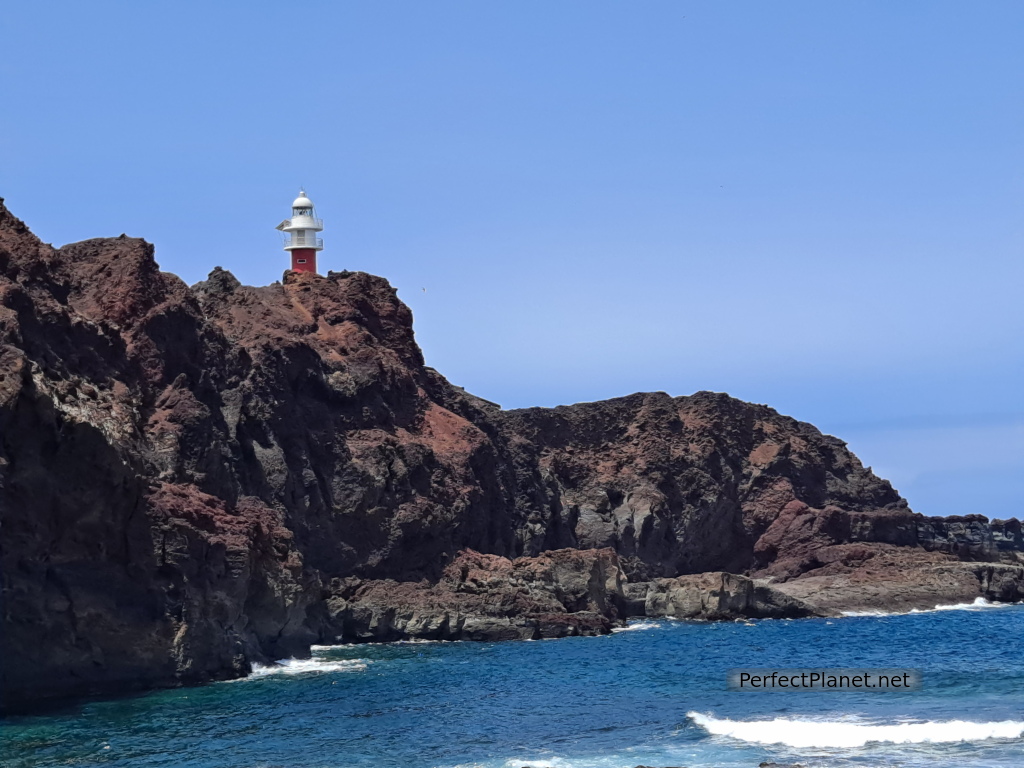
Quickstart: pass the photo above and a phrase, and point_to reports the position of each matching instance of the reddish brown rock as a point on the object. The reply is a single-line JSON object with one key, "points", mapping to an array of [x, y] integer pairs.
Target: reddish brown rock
{"points": [[685, 484], [896, 580], [890, 561]]}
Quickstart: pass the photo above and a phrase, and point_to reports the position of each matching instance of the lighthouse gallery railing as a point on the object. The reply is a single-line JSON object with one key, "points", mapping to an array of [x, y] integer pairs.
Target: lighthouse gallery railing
{"points": [[305, 242]]}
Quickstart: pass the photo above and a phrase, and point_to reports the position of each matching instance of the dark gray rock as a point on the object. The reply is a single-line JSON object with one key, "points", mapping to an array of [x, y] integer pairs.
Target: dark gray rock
{"points": [[484, 598]]}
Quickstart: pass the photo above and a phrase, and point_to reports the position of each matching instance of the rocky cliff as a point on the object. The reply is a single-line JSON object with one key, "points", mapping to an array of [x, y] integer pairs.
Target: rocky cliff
{"points": [[193, 479]]}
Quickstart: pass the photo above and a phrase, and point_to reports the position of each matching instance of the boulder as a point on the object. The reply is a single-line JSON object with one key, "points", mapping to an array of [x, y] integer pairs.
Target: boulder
{"points": [[719, 595]]}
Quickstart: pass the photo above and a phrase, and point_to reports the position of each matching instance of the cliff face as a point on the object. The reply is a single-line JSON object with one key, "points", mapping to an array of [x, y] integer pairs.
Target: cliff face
{"points": [[686, 484], [181, 469], [192, 479]]}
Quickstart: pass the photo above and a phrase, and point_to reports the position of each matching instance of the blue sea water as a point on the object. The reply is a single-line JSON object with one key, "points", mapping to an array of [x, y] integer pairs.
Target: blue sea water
{"points": [[654, 694]]}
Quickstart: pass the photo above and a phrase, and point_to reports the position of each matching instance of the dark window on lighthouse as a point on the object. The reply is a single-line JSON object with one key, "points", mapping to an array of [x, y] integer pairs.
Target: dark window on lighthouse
{"points": [[301, 261]]}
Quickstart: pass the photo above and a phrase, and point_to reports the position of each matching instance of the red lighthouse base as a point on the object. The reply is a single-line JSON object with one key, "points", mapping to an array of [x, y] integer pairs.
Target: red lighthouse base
{"points": [[304, 260]]}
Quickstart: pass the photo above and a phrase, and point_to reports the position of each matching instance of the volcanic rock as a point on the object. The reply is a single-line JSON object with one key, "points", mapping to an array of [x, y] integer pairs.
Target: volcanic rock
{"points": [[196, 479], [684, 484], [895, 580], [719, 595], [484, 597]]}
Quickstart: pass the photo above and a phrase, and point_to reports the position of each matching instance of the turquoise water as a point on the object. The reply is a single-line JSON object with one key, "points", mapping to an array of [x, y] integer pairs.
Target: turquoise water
{"points": [[652, 695]]}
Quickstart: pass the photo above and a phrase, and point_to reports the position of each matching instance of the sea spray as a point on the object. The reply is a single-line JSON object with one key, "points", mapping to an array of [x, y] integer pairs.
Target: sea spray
{"points": [[979, 604], [307, 666], [638, 626]]}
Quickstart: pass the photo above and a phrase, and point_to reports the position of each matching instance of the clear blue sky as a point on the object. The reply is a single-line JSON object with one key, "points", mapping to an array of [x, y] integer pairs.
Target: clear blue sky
{"points": [[819, 206]]}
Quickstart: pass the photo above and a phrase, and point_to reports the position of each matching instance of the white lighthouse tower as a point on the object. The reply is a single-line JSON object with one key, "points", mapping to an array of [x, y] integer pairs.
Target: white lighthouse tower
{"points": [[303, 226]]}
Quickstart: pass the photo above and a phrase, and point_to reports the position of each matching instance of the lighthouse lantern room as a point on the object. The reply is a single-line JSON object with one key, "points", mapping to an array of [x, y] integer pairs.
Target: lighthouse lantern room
{"points": [[302, 227]]}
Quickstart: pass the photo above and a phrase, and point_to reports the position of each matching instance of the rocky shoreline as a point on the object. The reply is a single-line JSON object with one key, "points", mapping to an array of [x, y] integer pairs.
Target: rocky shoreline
{"points": [[565, 593], [560, 593], [196, 479]]}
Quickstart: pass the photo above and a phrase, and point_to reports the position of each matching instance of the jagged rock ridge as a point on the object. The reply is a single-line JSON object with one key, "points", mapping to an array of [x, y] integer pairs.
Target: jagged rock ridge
{"points": [[192, 479]]}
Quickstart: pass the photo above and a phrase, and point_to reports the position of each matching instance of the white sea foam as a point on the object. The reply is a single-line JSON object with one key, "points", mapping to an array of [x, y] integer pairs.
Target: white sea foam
{"points": [[308, 666], [809, 733], [638, 626], [979, 604]]}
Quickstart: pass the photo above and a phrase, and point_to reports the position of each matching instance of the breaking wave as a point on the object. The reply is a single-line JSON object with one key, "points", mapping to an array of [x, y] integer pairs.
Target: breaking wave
{"points": [[638, 626], [850, 733], [979, 604], [308, 666]]}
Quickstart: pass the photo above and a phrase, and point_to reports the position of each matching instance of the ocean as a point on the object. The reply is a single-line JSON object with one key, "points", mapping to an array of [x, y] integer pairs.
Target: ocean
{"points": [[654, 693]]}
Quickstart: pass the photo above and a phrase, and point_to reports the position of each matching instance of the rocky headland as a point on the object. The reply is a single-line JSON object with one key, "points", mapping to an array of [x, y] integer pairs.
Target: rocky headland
{"points": [[193, 479]]}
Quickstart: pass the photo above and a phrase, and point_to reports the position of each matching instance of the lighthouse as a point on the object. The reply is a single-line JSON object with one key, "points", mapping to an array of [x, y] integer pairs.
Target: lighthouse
{"points": [[302, 227]]}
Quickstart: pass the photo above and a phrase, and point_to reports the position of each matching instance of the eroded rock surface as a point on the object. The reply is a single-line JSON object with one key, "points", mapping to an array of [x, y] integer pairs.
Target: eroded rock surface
{"points": [[484, 597], [718, 596], [685, 484], [896, 580]]}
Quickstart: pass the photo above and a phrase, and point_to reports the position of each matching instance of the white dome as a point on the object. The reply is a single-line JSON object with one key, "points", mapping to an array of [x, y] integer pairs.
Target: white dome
{"points": [[302, 201]]}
